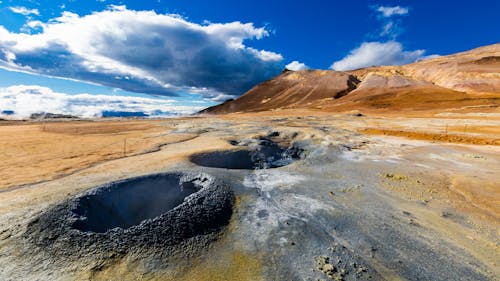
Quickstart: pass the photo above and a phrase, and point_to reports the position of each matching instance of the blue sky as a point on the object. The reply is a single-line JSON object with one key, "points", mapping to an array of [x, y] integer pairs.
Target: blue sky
{"points": [[186, 55]]}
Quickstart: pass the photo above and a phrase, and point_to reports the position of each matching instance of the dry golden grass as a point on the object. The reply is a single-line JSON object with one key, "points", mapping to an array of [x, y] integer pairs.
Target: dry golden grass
{"points": [[440, 137], [37, 152]]}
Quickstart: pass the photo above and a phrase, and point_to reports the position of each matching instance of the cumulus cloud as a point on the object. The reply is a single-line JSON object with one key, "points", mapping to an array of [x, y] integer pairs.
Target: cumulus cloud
{"points": [[296, 66], [142, 51], [24, 11], [387, 52], [24, 100], [378, 53], [392, 11]]}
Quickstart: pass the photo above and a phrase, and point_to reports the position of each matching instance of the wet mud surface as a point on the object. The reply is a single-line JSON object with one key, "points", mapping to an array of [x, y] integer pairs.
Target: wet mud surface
{"points": [[261, 154], [128, 203]]}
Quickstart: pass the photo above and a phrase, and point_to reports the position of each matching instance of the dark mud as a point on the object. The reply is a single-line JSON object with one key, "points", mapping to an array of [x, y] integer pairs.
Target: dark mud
{"points": [[107, 221], [264, 154], [128, 203]]}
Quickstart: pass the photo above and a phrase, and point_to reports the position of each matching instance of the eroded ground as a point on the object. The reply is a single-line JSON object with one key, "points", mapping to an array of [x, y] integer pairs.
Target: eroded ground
{"points": [[371, 198]]}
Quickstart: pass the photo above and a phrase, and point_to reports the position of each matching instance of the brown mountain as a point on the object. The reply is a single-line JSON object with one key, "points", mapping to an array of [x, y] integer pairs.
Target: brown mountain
{"points": [[456, 82]]}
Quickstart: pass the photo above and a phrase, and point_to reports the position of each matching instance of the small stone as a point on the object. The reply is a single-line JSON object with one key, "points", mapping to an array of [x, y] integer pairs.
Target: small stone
{"points": [[328, 268], [413, 222], [445, 214]]}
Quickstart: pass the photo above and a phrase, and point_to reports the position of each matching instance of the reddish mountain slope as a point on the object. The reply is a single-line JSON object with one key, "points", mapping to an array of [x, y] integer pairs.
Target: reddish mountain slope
{"points": [[455, 82]]}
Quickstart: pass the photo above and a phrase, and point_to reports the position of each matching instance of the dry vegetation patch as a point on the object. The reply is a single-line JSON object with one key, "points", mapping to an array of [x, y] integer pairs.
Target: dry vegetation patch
{"points": [[428, 136], [38, 152]]}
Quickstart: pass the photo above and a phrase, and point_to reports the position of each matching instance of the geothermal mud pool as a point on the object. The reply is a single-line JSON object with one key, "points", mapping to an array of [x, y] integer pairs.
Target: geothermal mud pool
{"points": [[154, 213], [285, 199], [261, 154], [128, 203]]}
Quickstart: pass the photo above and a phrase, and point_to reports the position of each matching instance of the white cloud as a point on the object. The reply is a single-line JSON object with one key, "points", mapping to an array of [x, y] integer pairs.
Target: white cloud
{"points": [[388, 29], [142, 51], [267, 56], [429, 57], [24, 11], [391, 11], [391, 24], [378, 53], [25, 100], [390, 52], [296, 66]]}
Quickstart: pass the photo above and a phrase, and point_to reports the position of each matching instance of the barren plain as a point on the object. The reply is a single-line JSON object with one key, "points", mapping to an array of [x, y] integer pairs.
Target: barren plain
{"points": [[358, 197]]}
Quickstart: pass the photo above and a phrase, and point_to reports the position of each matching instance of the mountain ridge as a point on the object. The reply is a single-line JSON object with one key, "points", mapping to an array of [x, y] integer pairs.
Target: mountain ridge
{"points": [[453, 82]]}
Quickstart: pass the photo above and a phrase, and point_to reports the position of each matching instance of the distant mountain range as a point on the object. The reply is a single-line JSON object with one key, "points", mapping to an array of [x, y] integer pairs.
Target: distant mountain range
{"points": [[458, 82], [105, 114]]}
